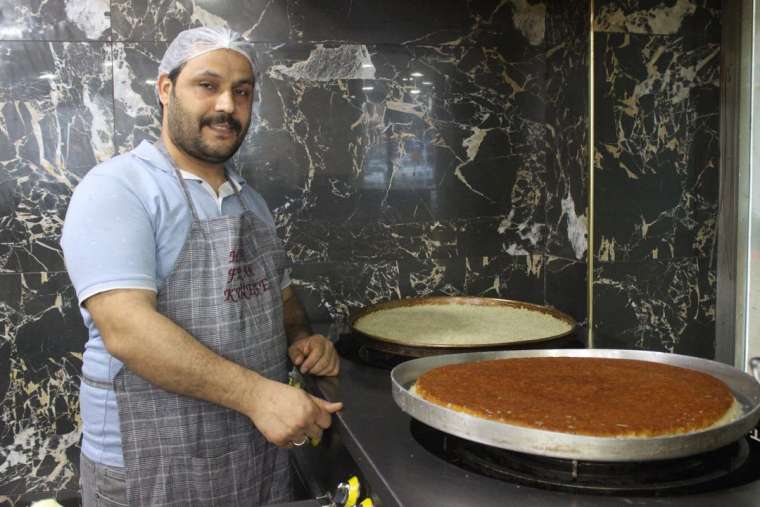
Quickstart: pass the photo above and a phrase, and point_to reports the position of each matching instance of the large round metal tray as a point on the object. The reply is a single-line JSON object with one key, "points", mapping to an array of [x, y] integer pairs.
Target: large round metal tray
{"points": [[745, 389], [466, 344]]}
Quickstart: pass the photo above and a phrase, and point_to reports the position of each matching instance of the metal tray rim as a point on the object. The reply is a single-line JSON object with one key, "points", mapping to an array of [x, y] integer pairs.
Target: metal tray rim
{"points": [[564, 445]]}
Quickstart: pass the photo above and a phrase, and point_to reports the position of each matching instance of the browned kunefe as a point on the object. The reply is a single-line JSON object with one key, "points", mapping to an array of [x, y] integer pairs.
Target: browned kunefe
{"points": [[585, 396]]}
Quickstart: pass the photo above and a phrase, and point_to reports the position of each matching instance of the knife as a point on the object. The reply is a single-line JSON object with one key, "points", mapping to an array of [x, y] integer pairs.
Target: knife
{"points": [[295, 379]]}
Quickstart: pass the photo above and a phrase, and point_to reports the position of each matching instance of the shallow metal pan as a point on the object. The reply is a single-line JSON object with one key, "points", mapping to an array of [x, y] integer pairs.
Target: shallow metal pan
{"points": [[745, 389], [408, 349]]}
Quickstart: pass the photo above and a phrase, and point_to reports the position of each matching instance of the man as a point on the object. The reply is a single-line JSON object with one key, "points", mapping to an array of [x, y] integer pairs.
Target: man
{"points": [[185, 290]]}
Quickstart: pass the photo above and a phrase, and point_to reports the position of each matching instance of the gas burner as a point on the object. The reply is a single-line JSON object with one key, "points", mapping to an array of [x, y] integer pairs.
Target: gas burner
{"points": [[380, 358], [692, 474], [350, 347]]}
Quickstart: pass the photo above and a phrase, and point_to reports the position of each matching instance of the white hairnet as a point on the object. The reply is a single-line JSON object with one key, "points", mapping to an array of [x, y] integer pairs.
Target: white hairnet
{"points": [[197, 41]]}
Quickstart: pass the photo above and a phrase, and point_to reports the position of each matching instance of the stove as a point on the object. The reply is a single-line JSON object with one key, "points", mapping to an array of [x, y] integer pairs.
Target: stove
{"points": [[402, 462], [708, 471]]}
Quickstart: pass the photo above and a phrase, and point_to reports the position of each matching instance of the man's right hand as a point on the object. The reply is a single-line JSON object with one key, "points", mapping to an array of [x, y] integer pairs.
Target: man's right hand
{"points": [[286, 415]]}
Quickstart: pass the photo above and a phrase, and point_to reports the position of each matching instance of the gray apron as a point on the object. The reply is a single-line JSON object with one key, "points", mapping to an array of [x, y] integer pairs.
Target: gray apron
{"points": [[225, 291]]}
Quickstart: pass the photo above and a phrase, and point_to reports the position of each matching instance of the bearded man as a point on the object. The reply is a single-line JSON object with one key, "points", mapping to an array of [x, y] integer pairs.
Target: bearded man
{"points": [[185, 290]]}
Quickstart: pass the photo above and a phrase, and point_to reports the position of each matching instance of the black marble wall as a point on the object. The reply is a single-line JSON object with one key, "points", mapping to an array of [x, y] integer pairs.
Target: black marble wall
{"points": [[405, 149], [656, 154]]}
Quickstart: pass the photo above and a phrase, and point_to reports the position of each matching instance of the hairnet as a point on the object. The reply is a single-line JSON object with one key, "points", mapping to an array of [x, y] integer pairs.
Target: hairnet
{"points": [[197, 41]]}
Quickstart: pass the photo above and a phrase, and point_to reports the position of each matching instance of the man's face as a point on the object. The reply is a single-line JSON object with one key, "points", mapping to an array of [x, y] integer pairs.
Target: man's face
{"points": [[209, 109]]}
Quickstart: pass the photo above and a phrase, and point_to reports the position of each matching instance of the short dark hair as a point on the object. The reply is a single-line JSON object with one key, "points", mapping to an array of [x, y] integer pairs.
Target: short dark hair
{"points": [[173, 75]]}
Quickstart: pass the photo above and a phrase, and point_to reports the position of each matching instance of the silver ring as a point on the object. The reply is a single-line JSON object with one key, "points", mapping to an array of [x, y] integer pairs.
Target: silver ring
{"points": [[299, 444]]}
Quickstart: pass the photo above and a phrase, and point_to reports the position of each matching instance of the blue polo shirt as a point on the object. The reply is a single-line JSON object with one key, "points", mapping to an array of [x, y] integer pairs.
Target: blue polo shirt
{"points": [[125, 226]]}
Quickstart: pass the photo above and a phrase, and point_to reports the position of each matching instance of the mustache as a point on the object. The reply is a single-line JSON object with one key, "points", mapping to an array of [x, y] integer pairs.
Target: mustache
{"points": [[221, 118]]}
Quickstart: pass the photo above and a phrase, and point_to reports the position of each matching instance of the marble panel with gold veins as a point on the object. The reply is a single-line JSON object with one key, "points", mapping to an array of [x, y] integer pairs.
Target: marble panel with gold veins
{"points": [[656, 158]]}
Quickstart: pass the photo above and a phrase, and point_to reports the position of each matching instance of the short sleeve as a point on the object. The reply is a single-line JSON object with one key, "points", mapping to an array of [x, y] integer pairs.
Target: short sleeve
{"points": [[108, 239]]}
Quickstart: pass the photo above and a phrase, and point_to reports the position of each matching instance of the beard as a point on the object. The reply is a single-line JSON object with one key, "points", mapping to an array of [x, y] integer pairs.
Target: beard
{"points": [[185, 132]]}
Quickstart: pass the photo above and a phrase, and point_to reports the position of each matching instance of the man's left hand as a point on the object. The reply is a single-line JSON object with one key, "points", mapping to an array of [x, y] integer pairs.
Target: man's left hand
{"points": [[315, 354]]}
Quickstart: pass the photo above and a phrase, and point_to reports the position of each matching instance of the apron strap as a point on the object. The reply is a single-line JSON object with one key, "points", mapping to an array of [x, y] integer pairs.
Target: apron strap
{"points": [[159, 144], [237, 192]]}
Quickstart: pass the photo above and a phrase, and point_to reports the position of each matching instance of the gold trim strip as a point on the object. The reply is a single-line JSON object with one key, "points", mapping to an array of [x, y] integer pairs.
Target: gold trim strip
{"points": [[590, 249]]}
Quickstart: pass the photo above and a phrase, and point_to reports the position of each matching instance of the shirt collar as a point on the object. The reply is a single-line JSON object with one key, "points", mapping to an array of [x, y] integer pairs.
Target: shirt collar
{"points": [[148, 152], [236, 181]]}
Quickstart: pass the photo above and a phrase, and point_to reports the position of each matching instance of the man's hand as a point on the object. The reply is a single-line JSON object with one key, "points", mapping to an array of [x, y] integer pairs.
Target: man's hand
{"points": [[315, 354], [286, 415], [311, 353]]}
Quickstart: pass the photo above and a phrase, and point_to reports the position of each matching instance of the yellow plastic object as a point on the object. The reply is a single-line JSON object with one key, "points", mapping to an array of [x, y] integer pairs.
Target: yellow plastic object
{"points": [[367, 502], [353, 492]]}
